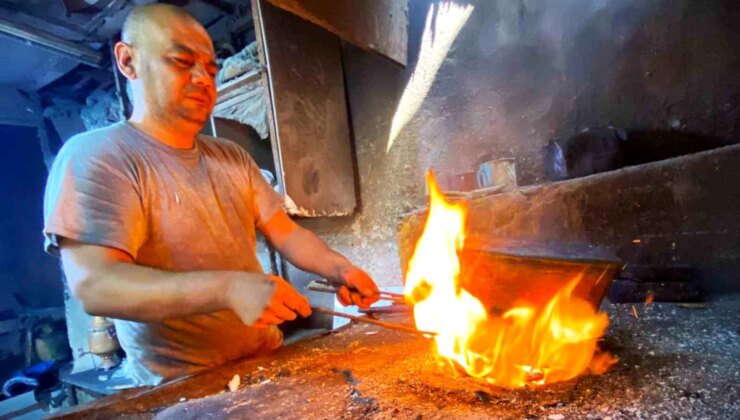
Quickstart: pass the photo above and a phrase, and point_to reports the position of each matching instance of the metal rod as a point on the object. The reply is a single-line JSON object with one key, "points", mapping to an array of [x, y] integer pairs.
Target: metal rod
{"points": [[321, 289], [389, 325], [393, 309], [272, 115], [332, 289], [81, 53], [382, 292]]}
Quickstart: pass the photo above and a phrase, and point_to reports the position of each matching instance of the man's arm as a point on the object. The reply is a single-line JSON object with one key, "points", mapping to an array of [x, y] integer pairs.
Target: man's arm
{"points": [[108, 283], [309, 253]]}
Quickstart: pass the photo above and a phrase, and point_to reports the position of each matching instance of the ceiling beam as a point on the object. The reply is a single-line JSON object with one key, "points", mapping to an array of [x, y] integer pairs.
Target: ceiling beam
{"points": [[53, 43], [376, 25]]}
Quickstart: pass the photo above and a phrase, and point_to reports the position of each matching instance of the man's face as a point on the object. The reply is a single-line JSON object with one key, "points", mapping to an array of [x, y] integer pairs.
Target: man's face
{"points": [[177, 69]]}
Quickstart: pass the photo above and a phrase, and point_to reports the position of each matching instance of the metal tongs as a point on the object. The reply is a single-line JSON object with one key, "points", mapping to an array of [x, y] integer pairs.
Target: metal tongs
{"points": [[326, 286]]}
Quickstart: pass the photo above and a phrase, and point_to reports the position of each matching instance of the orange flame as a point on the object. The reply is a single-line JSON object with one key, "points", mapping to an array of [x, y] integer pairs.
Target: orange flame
{"points": [[650, 298], [525, 345]]}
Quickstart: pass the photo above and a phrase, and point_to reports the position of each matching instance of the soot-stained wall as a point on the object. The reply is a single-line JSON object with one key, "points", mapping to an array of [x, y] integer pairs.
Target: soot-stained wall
{"points": [[517, 74]]}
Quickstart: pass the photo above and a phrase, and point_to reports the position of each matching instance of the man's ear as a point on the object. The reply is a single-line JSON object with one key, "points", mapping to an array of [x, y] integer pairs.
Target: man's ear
{"points": [[125, 60]]}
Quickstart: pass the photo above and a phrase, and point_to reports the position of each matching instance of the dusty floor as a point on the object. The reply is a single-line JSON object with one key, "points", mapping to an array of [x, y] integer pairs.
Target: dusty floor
{"points": [[676, 362]]}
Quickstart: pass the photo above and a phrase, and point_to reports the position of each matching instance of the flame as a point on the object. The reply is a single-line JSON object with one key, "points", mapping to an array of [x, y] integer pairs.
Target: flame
{"points": [[650, 298], [525, 345]]}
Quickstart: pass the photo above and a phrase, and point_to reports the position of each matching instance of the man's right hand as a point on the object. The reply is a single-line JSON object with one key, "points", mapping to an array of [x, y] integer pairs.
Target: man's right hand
{"points": [[261, 300]]}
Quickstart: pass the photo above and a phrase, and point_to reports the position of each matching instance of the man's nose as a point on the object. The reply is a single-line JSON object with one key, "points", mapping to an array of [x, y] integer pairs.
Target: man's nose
{"points": [[201, 76]]}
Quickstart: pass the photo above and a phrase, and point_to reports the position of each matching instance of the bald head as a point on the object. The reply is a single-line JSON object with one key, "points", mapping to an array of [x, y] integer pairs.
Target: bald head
{"points": [[153, 17], [168, 58]]}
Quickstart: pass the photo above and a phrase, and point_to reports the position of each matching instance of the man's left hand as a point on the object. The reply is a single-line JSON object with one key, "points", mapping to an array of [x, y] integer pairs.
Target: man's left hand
{"points": [[357, 288]]}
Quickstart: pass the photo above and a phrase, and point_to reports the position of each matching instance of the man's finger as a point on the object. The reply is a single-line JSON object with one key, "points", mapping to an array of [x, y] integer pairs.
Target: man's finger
{"points": [[268, 317], [344, 296], [260, 325], [300, 306], [367, 301], [290, 297], [281, 311], [356, 299], [298, 303], [361, 281], [368, 288]]}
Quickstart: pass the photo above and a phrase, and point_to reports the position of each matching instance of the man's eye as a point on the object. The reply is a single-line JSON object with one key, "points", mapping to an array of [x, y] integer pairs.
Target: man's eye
{"points": [[183, 62]]}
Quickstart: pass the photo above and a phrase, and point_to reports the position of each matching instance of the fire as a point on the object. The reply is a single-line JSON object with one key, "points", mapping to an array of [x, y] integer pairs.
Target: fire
{"points": [[525, 345]]}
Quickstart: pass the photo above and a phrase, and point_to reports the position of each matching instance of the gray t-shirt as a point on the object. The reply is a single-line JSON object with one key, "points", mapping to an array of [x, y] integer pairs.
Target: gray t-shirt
{"points": [[171, 209]]}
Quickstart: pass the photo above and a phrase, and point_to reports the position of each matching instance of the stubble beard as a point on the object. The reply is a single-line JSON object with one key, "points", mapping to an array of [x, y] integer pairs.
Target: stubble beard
{"points": [[193, 116], [175, 115]]}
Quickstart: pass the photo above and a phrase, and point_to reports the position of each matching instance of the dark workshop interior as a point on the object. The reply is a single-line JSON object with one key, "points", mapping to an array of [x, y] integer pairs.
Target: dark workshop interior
{"points": [[546, 193]]}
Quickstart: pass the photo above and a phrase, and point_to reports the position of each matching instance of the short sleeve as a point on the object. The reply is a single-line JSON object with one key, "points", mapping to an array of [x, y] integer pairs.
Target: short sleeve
{"points": [[92, 197], [265, 202]]}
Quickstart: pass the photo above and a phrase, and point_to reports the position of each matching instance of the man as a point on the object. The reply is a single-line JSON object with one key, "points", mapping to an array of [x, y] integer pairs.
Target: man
{"points": [[155, 224]]}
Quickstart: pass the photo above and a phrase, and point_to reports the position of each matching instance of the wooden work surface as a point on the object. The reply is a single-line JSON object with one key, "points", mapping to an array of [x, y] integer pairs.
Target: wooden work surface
{"points": [[672, 358], [312, 376]]}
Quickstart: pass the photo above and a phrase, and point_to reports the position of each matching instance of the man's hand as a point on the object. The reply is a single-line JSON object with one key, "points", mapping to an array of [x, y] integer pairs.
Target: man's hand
{"points": [[357, 288], [262, 300], [309, 253]]}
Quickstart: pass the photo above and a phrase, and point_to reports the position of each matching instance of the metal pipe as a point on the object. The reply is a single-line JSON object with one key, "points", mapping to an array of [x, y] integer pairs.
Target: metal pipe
{"points": [[81, 53], [277, 153]]}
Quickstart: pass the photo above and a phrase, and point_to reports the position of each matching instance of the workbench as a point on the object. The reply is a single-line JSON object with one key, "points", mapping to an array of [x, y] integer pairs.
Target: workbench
{"points": [[676, 361]]}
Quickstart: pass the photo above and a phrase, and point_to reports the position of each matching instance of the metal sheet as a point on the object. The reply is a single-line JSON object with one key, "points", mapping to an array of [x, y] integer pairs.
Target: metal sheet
{"points": [[312, 128], [47, 41], [378, 25]]}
